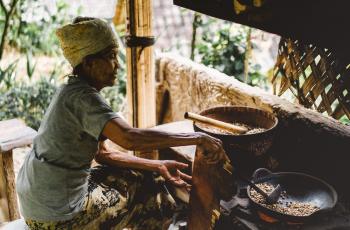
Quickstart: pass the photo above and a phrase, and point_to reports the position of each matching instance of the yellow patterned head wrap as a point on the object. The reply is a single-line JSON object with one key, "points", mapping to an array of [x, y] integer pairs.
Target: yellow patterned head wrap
{"points": [[83, 38]]}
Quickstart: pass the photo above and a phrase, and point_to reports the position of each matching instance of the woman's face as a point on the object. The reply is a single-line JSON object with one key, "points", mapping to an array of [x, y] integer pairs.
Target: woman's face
{"points": [[102, 70]]}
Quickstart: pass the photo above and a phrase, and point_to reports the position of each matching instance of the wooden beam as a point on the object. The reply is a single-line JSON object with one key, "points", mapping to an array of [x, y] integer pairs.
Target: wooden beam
{"points": [[140, 67]]}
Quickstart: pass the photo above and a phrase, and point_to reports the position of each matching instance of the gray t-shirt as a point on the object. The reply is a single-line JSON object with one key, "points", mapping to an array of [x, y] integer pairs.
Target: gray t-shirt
{"points": [[52, 182]]}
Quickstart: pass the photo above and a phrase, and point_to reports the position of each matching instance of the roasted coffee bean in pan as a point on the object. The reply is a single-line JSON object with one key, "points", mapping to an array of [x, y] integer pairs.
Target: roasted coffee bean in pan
{"points": [[283, 205]]}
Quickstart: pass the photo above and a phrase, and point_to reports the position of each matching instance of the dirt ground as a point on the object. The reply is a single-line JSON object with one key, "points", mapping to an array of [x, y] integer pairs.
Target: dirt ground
{"points": [[18, 158]]}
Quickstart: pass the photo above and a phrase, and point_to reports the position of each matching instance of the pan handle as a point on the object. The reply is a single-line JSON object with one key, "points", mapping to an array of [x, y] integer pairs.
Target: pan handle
{"points": [[261, 172], [321, 212]]}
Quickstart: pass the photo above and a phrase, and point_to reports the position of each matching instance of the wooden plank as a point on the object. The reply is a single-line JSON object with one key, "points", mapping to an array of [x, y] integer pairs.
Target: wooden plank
{"points": [[10, 184], [140, 68], [210, 184], [4, 208], [23, 138], [185, 126], [16, 134]]}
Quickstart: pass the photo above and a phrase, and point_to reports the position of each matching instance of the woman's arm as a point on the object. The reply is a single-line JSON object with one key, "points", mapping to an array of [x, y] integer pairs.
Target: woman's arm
{"points": [[118, 131], [169, 169], [124, 160], [121, 133]]}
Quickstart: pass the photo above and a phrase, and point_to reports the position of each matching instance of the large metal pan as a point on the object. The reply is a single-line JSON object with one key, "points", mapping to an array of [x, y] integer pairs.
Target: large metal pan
{"points": [[299, 187]]}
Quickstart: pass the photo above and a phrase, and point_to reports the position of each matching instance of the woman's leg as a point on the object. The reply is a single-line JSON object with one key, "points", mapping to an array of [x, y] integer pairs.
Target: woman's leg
{"points": [[100, 204], [118, 198], [147, 206]]}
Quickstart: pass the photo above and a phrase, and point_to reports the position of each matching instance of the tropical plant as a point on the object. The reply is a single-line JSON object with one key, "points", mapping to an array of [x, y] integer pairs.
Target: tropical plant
{"points": [[27, 101], [345, 120], [30, 64], [115, 95], [33, 27], [8, 75], [223, 46], [30, 30]]}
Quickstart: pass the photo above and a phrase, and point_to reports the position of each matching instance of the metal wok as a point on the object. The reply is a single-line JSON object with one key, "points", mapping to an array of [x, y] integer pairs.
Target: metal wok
{"points": [[300, 187]]}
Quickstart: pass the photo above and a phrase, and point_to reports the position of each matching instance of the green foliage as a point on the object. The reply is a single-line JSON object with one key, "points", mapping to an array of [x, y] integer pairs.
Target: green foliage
{"points": [[30, 66], [345, 120], [223, 46], [29, 32], [8, 75], [32, 32], [27, 101], [122, 70], [24, 98], [115, 95]]}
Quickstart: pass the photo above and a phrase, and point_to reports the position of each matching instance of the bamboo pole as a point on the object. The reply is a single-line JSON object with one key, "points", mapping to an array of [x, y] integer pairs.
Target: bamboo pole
{"points": [[216, 123], [140, 68]]}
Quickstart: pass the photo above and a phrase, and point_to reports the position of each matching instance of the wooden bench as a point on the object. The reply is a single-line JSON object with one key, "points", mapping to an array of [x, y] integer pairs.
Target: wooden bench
{"points": [[181, 153], [14, 134]]}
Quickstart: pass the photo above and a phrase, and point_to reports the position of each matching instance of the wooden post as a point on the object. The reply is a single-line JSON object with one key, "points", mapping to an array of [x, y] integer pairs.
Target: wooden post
{"points": [[8, 193], [140, 68]]}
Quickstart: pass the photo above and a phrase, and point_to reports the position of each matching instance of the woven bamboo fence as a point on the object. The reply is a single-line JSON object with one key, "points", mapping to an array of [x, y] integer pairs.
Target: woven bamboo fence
{"points": [[317, 79]]}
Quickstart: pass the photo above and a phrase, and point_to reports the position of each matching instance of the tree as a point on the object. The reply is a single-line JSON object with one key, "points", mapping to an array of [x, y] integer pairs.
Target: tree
{"points": [[8, 15]]}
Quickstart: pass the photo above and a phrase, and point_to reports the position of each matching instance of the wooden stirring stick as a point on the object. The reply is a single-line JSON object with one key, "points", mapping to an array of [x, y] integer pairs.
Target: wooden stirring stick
{"points": [[219, 124]]}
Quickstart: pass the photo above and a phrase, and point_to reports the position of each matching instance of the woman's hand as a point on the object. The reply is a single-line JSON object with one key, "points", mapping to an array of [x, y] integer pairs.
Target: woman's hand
{"points": [[212, 149], [170, 171]]}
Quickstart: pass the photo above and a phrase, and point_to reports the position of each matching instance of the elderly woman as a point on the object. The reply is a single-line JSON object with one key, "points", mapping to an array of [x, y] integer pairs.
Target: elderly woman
{"points": [[57, 188]]}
